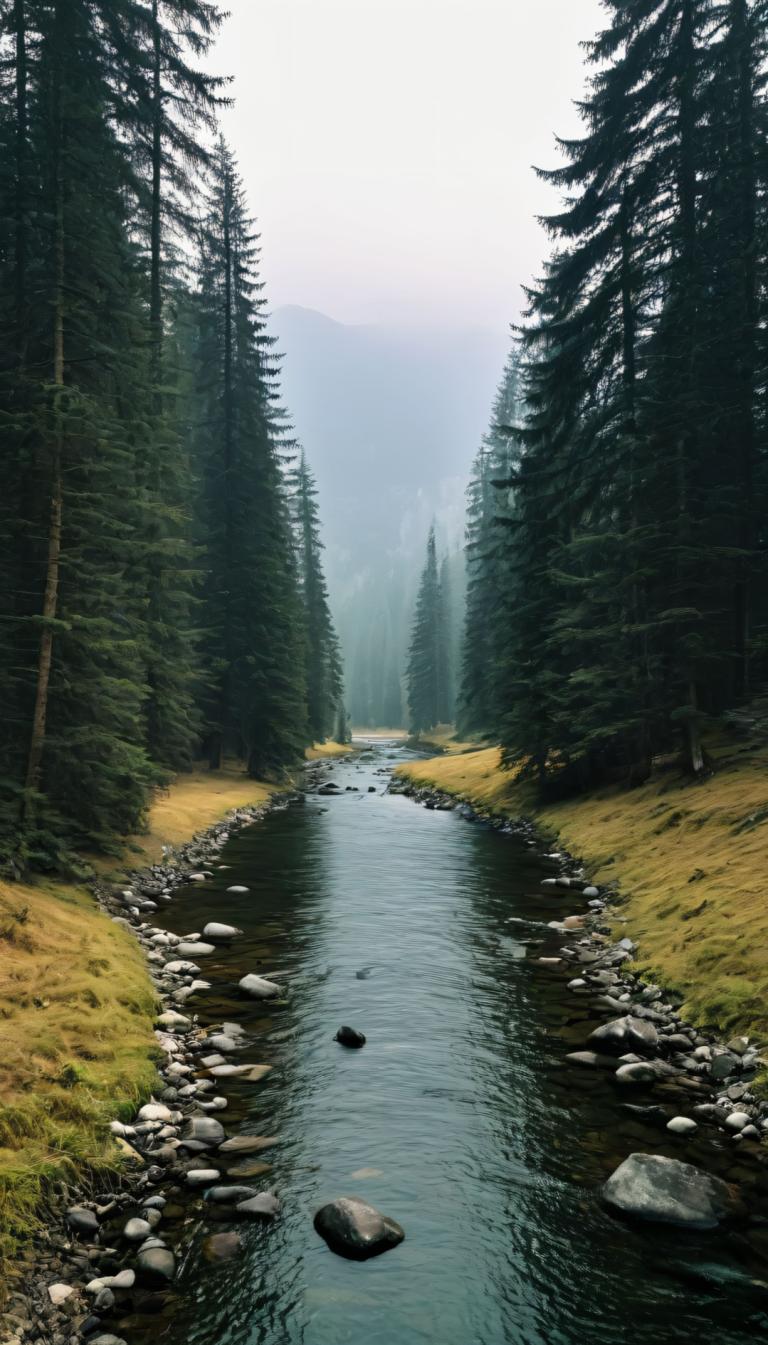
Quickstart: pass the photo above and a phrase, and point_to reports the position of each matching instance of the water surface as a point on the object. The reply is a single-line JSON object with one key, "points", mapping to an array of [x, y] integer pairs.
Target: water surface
{"points": [[458, 1118]]}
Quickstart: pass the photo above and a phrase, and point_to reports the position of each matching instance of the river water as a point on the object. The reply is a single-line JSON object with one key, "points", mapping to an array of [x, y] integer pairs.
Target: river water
{"points": [[458, 1118]]}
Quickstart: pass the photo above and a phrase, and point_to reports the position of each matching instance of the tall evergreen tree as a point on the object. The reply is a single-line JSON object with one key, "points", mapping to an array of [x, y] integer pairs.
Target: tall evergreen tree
{"points": [[323, 676], [427, 674], [255, 701]]}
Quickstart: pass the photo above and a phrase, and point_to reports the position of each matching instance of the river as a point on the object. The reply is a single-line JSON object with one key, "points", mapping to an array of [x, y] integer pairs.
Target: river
{"points": [[458, 1118]]}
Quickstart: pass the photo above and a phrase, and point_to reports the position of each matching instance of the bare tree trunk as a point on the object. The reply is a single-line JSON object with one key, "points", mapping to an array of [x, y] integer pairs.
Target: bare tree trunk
{"points": [[51, 593], [20, 257], [219, 736], [155, 285]]}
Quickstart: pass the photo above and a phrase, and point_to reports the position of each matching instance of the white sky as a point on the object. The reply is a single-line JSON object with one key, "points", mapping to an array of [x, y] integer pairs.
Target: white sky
{"points": [[387, 145]]}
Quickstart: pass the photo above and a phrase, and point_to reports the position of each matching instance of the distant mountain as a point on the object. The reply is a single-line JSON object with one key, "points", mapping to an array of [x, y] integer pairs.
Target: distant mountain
{"points": [[390, 419]]}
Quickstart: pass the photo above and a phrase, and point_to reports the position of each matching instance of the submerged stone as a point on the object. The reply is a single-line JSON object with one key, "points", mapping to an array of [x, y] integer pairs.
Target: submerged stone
{"points": [[664, 1190], [355, 1229]]}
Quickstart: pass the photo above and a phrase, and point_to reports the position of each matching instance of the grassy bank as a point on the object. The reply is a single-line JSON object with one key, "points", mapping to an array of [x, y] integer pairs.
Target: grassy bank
{"points": [[76, 1012], [689, 859]]}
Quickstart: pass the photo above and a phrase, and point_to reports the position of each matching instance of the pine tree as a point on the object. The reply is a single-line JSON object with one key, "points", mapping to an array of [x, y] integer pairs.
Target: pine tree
{"points": [[76, 761], [488, 506], [323, 676], [254, 703], [428, 655]]}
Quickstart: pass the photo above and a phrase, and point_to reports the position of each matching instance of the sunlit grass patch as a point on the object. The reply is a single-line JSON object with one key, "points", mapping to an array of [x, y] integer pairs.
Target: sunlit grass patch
{"points": [[691, 859]]}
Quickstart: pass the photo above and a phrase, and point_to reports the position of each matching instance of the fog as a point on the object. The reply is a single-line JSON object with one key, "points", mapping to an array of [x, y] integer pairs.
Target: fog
{"points": [[387, 150]]}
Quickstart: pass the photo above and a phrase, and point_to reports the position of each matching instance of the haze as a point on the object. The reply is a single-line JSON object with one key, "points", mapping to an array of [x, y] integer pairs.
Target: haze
{"points": [[386, 146], [387, 150]]}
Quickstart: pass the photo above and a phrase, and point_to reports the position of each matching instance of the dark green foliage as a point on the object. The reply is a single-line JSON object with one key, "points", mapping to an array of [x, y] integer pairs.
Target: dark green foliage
{"points": [[488, 507], [112, 497], [254, 650], [633, 605], [428, 667], [323, 675]]}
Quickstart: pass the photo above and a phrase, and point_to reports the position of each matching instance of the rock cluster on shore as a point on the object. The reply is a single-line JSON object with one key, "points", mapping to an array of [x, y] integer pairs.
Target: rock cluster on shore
{"points": [[645, 1042]]}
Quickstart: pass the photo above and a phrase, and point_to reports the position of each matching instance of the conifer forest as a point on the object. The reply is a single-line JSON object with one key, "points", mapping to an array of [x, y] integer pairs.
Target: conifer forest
{"points": [[383, 672]]}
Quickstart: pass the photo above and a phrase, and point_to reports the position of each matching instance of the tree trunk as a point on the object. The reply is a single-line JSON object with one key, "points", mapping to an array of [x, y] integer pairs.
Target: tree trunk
{"points": [[744, 72], [219, 737], [20, 257], [51, 593], [155, 285]]}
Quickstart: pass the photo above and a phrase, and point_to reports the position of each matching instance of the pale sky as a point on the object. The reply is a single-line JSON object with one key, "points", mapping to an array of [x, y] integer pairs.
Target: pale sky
{"points": [[386, 146]]}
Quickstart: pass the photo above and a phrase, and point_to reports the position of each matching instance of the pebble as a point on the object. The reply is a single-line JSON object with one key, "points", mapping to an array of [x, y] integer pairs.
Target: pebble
{"points": [[203, 1177], [682, 1125], [737, 1120], [59, 1293]]}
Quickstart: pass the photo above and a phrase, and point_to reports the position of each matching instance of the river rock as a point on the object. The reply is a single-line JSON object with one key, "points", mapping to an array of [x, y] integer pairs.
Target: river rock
{"points": [[248, 1144], [182, 967], [259, 988], [82, 1221], [229, 1195], [59, 1293], [723, 1064], [173, 1021], [156, 1264], [682, 1125], [737, 1120], [591, 1060], [355, 1229], [349, 1036], [263, 1206], [222, 1246], [155, 1111], [664, 1190], [136, 1230], [202, 1177], [221, 1042], [195, 949], [220, 933], [204, 1130], [240, 890], [738, 1045], [627, 1033]]}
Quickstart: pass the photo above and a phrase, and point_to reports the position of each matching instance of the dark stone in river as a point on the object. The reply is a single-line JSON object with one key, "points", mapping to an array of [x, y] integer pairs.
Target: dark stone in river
{"points": [[355, 1229], [349, 1036], [625, 1034], [222, 1246], [664, 1190], [248, 1144], [156, 1264], [229, 1195], [262, 1206]]}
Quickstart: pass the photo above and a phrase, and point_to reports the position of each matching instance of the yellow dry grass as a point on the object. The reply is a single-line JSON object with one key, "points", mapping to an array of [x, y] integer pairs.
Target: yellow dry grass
{"points": [[76, 1045], [689, 859], [322, 750], [443, 739], [192, 803], [76, 1012]]}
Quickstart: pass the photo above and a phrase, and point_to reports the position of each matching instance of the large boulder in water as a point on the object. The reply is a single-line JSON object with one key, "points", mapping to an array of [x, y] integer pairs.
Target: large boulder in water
{"points": [[355, 1229], [666, 1191], [625, 1034]]}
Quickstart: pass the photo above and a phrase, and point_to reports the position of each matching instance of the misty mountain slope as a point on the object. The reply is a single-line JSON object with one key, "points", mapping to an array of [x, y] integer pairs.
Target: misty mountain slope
{"points": [[390, 419]]}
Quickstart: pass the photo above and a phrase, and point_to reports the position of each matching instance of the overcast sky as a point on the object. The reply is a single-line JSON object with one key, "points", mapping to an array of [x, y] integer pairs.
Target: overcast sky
{"points": [[387, 145]]}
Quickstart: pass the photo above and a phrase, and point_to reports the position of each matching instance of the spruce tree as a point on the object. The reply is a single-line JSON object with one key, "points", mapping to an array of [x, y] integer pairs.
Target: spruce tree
{"points": [[254, 700], [323, 676], [427, 673]]}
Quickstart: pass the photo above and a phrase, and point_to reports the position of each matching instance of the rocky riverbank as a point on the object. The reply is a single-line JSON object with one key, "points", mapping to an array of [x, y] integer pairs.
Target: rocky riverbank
{"points": [[667, 1071], [101, 1253]]}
